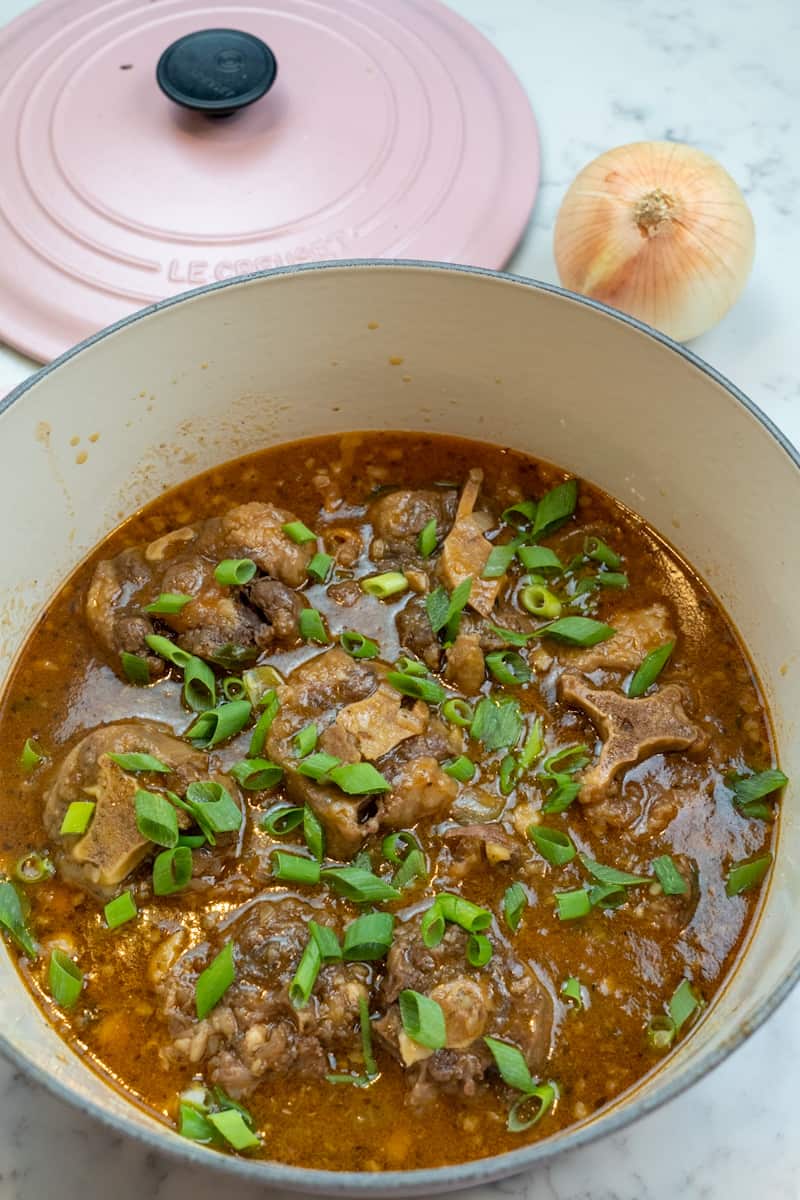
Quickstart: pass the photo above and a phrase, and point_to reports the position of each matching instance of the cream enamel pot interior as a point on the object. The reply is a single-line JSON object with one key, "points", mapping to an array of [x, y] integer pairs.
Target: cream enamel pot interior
{"points": [[278, 356]]}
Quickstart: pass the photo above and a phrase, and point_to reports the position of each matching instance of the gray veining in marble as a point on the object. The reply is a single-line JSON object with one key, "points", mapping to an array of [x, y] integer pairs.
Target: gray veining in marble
{"points": [[722, 74]]}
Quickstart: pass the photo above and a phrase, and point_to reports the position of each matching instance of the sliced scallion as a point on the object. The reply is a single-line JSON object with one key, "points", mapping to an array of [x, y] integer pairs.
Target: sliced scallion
{"points": [[168, 604], [298, 532], [460, 911], [134, 668], [612, 876], [530, 1108], [511, 1064], [661, 1032], [359, 885], [213, 983], [423, 1019], [498, 724], [577, 631], [319, 567], [458, 712], [78, 817], [571, 988], [120, 910], [668, 875], [305, 976], [428, 536], [233, 688], [746, 874], [479, 950], [416, 686], [539, 558], [508, 775], [596, 549], [172, 870], [750, 792], [649, 669], [520, 515], [312, 628], [683, 1004], [13, 918], [555, 507], [33, 868], [391, 583], [234, 1129], [500, 559], [282, 820], [573, 905], [515, 902], [256, 774], [213, 808], [461, 768], [369, 937], [217, 725], [539, 600], [65, 979], [553, 844], [327, 941], [508, 667], [156, 819], [139, 762], [305, 740], [166, 649], [234, 572], [357, 645], [31, 756], [317, 766], [313, 833], [270, 704], [295, 868], [358, 779]]}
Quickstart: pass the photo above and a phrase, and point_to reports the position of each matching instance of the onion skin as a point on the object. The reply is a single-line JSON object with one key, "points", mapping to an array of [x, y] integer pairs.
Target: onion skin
{"points": [[660, 231]]}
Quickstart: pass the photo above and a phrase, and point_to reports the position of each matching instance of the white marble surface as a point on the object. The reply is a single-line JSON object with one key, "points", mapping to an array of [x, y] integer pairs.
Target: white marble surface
{"points": [[721, 74]]}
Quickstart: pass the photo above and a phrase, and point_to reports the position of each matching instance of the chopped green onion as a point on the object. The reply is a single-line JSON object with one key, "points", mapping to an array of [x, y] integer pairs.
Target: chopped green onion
{"points": [[65, 978], [458, 712], [12, 918], [444, 612], [540, 601], [603, 579], [539, 558], [282, 820], [611, 875], [668, 875], [233, 688], [391, 583], [327, 941], [359, 885], [134, 668], [607, 895], [33, 868], [305, 740], [357, 645], [511, 1064], [497, 724], [508, 667], [369, 937], [562, 758], [649, 669], [359, 779], [392, 844], [213, 808], [366, 1038], [432, 926], [749, 792], [414, 685], [543, 1096], [459, 911], [260, 684], [166, 649], [600, 552], [305, 976], [312, 628], [234, 1129], [270, 704], [572, 905], [233, 572], [31, 756], [168, 603], [319, 567], [217, 725], [508, 775], [78, 817], [192, 841], [232, 656], [661, 1032], [577, 631], [510, 636], [532, 746], [313, 833], [256, 774], [553, 844], [172, 870], [428, 536], [461, 768], [683, 1004], [520, 515], [317, 766], [213, 983], [119, 910], [194, 1125], [414, 867], [555, 507], [571, 988], [156, 819], [565, 791], [479, 950], [500, 559], [515, 901], [298, 532], [423, 1019], [199, 685], [295, 868], [139, 762], [746, 874], [410, 666]]}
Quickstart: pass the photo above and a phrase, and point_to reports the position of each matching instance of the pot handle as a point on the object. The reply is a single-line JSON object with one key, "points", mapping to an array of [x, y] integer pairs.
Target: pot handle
{"points": [[216, 71]]}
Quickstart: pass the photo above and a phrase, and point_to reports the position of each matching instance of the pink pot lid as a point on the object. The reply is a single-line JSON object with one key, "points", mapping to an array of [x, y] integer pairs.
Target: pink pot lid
{"points": [[393, 129]]}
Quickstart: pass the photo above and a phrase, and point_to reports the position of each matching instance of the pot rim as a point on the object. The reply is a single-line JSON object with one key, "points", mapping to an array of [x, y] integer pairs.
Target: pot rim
{"points": [[430, 1180]]}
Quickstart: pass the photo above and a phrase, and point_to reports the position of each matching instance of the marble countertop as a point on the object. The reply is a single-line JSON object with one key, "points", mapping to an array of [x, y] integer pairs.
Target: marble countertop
{"points": [[722, 75]]}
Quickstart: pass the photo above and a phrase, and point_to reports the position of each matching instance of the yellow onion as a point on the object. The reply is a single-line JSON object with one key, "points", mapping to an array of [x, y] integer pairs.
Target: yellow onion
{"points": [[660, 231]]}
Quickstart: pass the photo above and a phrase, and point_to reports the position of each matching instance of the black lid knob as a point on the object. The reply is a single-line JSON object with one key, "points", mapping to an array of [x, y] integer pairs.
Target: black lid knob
{"points": [[216, 71]]}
